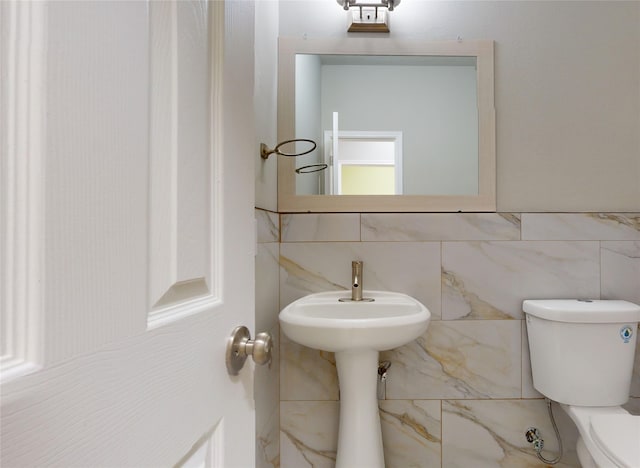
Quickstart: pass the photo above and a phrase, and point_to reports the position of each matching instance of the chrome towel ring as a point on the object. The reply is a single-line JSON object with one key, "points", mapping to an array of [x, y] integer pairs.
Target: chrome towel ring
{"points": [[311, 168], [265, 152]]}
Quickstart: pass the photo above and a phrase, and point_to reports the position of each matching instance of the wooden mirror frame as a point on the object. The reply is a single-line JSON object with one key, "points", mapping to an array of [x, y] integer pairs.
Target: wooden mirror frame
{"points": [[485, 200]]}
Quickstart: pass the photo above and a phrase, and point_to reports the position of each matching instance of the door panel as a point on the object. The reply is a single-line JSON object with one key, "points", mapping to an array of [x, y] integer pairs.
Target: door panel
{"points": [[183, 224], [140, 261]]}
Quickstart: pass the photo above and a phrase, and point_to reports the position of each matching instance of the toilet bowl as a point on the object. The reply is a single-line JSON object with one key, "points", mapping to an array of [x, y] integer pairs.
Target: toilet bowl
{"points": [[582, 355], [608, 436]]}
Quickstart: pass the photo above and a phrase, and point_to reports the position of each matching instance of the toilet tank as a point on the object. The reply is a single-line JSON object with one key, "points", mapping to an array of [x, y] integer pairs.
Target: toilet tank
{"points": [[582, 352]]}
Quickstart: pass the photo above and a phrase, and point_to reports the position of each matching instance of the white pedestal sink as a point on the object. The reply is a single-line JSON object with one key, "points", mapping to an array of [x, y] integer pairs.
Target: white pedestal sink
{"points": [[356, 332]]}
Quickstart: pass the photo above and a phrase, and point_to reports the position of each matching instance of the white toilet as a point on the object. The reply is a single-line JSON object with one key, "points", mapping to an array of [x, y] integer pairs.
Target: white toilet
{"points": [[582, 356]]}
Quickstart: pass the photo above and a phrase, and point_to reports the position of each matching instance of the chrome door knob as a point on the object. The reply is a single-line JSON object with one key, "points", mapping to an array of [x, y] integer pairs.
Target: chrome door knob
{"points": [[260, 348], [240, 346]]}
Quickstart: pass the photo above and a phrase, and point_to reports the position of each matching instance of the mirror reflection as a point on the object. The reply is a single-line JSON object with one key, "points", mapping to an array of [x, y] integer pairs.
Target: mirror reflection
{"points": [[388, 125]]}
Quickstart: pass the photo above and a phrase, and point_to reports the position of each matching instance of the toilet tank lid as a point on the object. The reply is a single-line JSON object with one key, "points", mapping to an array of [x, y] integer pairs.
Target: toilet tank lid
{"points": [[583, 311]]}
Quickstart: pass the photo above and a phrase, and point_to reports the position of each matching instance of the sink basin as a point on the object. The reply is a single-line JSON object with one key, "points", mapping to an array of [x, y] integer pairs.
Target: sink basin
{"points": [[356, 332], [320, 321]]}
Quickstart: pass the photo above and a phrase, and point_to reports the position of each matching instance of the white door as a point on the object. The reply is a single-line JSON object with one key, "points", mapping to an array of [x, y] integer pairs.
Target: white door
{"points": [[127, 232]]}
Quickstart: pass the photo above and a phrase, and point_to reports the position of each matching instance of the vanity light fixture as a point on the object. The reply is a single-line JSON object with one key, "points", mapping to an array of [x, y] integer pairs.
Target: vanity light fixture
{"points": [[368, 17]]}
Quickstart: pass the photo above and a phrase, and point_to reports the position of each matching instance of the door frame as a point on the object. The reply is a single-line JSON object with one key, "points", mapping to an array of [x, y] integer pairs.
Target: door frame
{"points": [[332, 180]]}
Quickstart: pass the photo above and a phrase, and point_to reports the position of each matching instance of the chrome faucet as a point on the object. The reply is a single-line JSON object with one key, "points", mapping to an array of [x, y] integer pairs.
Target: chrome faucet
{"points": [[356, 284], [356, 280]]}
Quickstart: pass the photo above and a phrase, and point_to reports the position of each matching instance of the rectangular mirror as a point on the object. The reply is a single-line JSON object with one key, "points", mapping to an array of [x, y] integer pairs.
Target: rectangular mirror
{"points": [[401, 126]]}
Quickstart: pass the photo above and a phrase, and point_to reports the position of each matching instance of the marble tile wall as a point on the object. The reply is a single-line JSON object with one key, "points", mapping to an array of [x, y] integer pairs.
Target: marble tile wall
{"points": [[460, 395]]}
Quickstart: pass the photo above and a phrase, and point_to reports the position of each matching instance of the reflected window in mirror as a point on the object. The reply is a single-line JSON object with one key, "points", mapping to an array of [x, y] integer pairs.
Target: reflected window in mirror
{"points": [[363, 163]]}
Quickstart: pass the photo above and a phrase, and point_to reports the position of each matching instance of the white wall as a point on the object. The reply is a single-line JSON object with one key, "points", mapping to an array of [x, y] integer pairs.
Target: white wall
{"points": [[567, 81], [265, 101]]}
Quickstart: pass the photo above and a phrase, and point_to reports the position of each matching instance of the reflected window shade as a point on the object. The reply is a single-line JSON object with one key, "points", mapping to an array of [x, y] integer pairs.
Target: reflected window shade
{"points": [[367, 180]]}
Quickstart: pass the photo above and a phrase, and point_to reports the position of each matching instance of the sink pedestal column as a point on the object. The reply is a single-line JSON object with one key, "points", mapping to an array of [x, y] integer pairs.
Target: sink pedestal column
{"points": [[360, 437]]}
